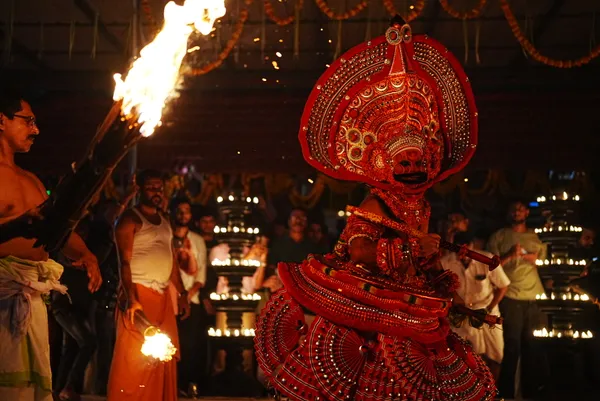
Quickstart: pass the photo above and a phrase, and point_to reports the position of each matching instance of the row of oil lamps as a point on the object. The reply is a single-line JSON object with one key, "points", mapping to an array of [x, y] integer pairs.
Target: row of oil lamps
{"points": [[236, 229], [558, 261], [236, 262], [544, 333], [574, 229], [226, 296], [565, 196], [231, 333], [565, 297], [232, 198]]}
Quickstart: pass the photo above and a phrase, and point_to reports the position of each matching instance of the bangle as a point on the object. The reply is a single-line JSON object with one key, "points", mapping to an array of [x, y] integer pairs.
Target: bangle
{"points": [[390, 254]]}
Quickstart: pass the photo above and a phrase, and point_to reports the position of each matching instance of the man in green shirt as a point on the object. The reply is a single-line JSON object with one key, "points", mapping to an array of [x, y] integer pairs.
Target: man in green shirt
{"points": [[518, 248]]}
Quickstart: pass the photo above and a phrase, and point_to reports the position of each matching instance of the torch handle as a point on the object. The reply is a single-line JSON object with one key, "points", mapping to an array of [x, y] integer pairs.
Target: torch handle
{"points": [[75, 192], [492, 262], [490, 320]]}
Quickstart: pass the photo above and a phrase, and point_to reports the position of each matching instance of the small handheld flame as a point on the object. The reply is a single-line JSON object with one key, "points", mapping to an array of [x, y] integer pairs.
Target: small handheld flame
{"points": [[158, 345], [152, 78]]}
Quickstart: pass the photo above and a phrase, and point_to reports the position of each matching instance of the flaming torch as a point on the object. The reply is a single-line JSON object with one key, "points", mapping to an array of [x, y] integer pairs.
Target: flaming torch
{"points": [[139, 98], [139, 102]]}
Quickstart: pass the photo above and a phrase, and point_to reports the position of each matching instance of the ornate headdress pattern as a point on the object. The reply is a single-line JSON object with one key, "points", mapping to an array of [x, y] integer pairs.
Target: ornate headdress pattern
{"points": [[396, 104]]}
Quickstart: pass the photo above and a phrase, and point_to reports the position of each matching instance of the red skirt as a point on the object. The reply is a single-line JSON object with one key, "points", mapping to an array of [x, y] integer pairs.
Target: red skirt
{"points": [[366, 343]]}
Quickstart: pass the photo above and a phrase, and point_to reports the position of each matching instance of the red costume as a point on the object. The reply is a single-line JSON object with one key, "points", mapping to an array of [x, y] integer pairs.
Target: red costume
{"points": [[398, 114]]}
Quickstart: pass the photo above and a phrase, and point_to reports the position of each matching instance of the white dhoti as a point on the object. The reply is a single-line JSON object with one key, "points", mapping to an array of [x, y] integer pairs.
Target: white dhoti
{"points": [[24, 349], [487, 340]]}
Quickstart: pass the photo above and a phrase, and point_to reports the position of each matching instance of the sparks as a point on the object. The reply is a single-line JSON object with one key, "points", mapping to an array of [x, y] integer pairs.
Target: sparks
{"points": [[152, 78], [158, 345]]}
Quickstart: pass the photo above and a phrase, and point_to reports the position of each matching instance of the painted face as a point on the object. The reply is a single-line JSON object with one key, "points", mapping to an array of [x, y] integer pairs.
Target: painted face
{"points": [[410, 166]]}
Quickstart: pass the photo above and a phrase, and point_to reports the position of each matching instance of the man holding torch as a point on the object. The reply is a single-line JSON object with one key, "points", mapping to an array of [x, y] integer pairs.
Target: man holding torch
{"points": [[148, 267], [26, 272]]}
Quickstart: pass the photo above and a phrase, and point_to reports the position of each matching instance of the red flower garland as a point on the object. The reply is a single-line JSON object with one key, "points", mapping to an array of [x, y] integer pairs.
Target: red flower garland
{"points": [[340, 17], [413, 13], [278, 20], [533, 52], [473, 13]]}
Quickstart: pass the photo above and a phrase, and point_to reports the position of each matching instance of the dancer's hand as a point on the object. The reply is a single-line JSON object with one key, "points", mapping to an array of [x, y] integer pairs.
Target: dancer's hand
{"points": [[430, 245]]}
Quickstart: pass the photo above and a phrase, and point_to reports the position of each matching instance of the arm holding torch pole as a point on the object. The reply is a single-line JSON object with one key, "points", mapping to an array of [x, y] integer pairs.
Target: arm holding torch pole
{"points": [[476, 317], [73, 195], [406, 229]]}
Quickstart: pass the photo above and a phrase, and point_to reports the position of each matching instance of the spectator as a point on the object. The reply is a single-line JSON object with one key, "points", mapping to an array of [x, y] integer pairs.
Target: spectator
{"points": [[480, 288], [293, 247], [147, 268], [190, 252], [319, 235], [518, 248]]}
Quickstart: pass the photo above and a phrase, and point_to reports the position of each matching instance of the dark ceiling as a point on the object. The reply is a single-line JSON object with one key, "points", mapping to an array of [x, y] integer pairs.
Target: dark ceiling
{"points": [[531, 116]]}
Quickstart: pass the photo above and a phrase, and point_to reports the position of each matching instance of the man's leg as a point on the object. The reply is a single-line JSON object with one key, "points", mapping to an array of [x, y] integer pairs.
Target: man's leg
{"points": [[56, 345], [512, 312], [202, 366], [105, 332], [79, 348], [535, 370], [184, 328]]}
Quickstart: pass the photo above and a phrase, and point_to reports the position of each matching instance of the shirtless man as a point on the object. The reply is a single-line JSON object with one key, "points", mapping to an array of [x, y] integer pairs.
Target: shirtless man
{"points": [[25, 270]]}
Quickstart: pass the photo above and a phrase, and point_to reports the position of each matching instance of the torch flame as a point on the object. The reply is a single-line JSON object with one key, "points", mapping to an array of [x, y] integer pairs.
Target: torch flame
{"points": [[152, 78], [158, 345]]}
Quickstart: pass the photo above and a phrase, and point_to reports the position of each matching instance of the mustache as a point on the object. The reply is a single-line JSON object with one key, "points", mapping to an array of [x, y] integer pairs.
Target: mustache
{"points": [[411, 178]]}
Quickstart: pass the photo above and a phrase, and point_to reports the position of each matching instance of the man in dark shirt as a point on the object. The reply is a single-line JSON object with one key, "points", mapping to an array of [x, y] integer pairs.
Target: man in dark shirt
{"points": [[86, 318], [293, 247]]}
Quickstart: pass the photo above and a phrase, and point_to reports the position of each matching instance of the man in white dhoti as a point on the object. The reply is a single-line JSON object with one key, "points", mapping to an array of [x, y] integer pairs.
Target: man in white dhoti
{"points": [[25, 270], [480, 288]]}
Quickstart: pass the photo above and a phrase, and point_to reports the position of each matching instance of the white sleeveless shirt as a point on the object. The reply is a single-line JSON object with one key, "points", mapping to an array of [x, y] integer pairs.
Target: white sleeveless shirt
{"points": [[152, 256]]}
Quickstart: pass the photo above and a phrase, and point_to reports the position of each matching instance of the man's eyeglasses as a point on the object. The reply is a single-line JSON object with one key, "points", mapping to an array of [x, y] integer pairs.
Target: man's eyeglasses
{"points": [[30, 120]]}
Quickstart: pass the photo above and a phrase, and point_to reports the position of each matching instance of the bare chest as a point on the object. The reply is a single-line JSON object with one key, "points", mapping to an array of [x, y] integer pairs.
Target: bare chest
{"points": [[19, 192]]}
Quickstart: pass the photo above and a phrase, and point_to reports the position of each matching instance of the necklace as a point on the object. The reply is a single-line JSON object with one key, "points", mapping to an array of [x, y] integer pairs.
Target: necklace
{"points": [[415, 213]]}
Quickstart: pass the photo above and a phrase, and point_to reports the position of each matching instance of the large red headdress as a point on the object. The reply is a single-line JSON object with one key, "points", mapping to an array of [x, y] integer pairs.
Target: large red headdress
{"points": [[395, 109]]}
